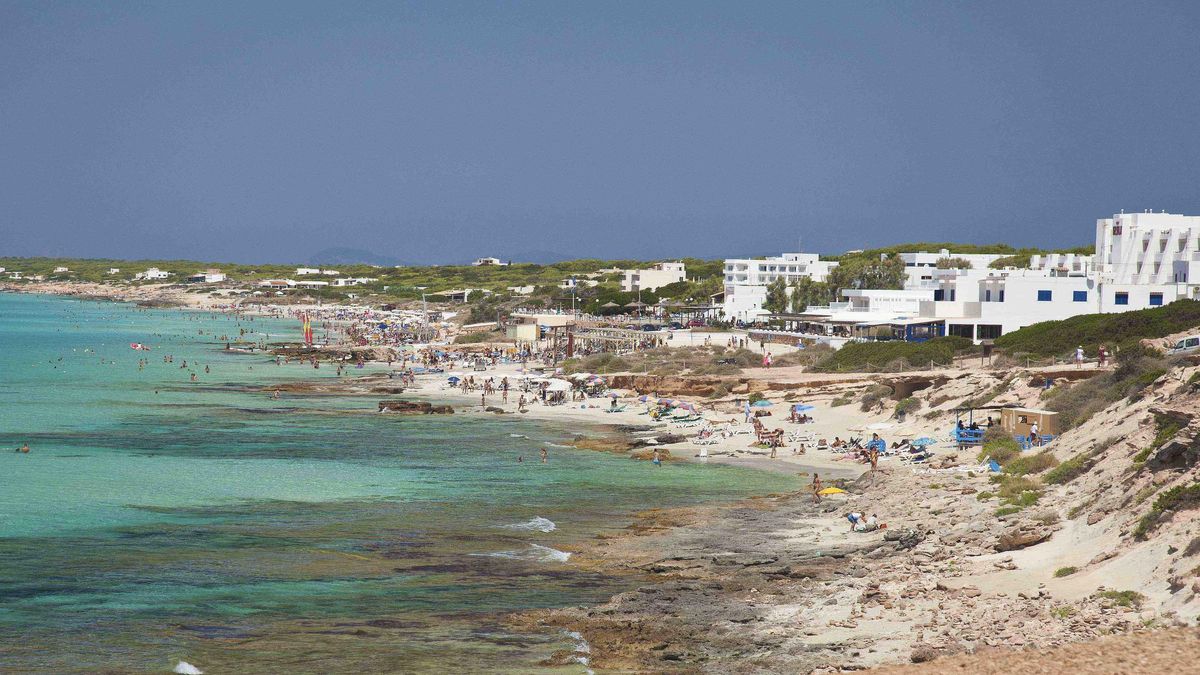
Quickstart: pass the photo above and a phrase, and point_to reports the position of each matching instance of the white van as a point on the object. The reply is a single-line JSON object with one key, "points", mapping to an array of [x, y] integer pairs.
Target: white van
{"points": [[1187, 344]]}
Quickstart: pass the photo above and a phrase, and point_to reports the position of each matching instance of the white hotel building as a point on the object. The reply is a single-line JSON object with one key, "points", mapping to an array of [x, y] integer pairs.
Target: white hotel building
{"points": [[1141, 260], [746, 280]]}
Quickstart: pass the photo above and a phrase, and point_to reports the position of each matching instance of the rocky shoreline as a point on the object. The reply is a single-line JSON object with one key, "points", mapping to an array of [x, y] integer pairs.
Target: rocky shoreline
{"points": [[779, 583]]}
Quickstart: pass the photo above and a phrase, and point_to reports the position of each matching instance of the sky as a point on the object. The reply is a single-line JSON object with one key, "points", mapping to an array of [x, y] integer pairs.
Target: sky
{"points": [[444, 131]]}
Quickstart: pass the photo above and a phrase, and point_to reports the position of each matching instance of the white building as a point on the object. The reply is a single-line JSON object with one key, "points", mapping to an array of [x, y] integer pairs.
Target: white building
{"points": [[210, 276], [277, 284], [307, 271], [353, 281], [746, 280], [330, 273], [921, 267], [661, 274], [1141, 261], [152, 274], [111, 270], [312, 285], [488, 262], [60, 270]]}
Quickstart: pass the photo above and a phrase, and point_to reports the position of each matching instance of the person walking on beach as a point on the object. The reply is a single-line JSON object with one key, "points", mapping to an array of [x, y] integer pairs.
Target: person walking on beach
{"points": [[816, 488], [747, 411], [1079, 356], [544, 455]]}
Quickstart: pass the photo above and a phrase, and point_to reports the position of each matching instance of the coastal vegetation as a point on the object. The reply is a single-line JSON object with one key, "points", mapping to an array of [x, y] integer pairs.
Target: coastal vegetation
{"points": [[896, 355], [1137, 369], [1122, 331]]}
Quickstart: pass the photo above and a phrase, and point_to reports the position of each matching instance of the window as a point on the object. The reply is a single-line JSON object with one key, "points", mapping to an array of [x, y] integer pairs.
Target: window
{"points": [[953, 292], [987, 295], [1001, 295], [939, 295], [1079, 296], [988, 332], [1044, 296], [1121, 299], [965, 330], [1155, 299]]}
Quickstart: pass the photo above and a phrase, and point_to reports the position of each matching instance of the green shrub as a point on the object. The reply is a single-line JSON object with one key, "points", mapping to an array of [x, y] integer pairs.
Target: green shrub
{"points": [[874, 356], [1069, 470], [873, 395], [1008, 510], [1060, 338], [1131, 599], [1019, 490], [1026, 464], [984, 496], [999, 446], [1063, 612], [1177, 498], [755, 397], [1079, 464], [906, 405], [1079, 402], [844, 399], [1065, 571]]}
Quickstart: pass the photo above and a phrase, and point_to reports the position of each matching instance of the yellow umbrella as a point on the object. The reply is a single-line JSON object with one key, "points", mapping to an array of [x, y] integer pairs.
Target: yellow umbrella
{"points": [[832, 491]]}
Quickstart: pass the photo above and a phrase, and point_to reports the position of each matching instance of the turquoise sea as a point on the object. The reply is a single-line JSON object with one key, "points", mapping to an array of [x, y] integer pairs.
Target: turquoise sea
{"points": [[158, 519]]}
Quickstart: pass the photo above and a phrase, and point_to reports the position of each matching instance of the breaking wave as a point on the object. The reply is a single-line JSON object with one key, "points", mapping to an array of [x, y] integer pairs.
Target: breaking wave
{"points": [[537, 524]]}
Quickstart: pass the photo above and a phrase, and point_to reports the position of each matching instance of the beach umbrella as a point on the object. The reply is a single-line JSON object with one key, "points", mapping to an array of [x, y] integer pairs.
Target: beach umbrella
{"points": [[832, 491], [612, 394], [643, 398], [801, 407], [923, 441], [762, 403], [609, 305]]}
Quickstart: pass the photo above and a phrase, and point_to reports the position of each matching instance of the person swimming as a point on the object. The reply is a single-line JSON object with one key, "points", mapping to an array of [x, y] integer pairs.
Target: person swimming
{"points": [[24, 449]]}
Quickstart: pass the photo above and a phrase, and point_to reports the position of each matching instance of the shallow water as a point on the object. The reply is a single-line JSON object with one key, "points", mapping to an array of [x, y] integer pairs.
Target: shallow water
{"points": [[157, 519]]}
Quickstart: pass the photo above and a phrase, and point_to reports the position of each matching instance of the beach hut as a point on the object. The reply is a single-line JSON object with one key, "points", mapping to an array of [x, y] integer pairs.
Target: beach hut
{"points": [[1018, 421]]}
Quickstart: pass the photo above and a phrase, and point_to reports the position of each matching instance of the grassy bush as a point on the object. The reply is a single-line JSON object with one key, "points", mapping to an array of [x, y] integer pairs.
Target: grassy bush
{"points": [[999, 446], [1054, 338], [873, 395], [1131, 599], [1079, 402], [1031, 463], [987, 396], [844, 399], [1065, 571], [808, 357], [1177, 498], [596, 363], [1008, 510], [874, 356], [1018, 490], [483, 336], [1078, 465], [984, 496], [906, 405]]}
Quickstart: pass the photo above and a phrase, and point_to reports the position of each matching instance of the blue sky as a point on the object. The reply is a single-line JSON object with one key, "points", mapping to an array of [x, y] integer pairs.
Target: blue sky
{"points": [[442, 131]]}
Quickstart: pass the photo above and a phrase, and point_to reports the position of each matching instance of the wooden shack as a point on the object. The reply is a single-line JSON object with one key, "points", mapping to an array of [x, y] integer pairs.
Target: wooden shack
{"points": [[1017, 421]]}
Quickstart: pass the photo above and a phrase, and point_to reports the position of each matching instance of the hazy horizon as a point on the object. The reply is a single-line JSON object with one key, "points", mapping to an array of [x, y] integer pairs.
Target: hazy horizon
{"points": [[441, 132]]}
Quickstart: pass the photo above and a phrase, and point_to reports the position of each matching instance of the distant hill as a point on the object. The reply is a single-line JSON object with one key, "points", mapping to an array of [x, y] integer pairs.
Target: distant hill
{"points": [[340, 255]]}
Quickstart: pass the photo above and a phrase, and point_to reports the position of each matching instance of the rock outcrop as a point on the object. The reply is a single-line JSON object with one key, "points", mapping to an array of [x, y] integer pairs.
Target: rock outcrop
{"points": [[414, 408]]}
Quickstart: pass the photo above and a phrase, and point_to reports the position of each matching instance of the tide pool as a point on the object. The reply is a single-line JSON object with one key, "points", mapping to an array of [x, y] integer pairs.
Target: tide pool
{"points": [[159, 519]]}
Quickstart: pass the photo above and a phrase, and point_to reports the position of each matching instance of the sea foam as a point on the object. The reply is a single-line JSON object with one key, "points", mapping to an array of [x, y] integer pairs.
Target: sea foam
{"points": [[535, 553], [537, 524]]}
